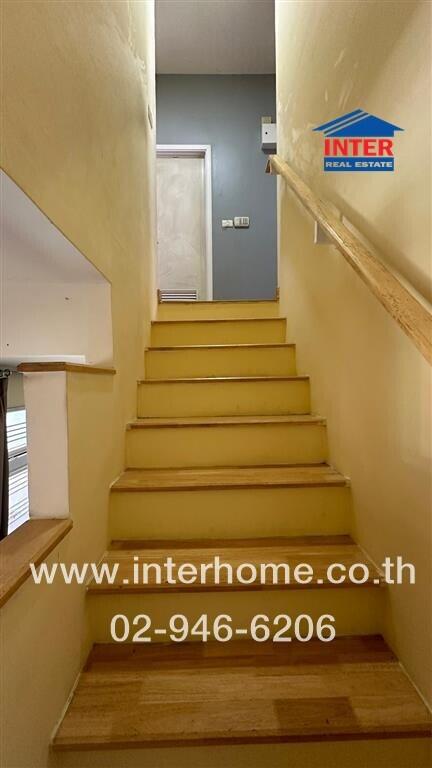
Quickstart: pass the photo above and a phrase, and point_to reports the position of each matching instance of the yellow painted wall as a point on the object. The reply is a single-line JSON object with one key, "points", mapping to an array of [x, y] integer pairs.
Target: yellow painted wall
{"points": [[367, 377], [78, 78]]}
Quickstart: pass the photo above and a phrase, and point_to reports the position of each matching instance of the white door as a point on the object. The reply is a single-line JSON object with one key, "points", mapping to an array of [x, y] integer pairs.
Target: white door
{"points": [[181, 224]]}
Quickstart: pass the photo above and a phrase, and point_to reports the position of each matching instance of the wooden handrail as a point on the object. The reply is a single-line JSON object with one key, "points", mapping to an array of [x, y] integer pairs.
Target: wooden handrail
{"points": [[414, 318], [58, 366], [30, 543]]}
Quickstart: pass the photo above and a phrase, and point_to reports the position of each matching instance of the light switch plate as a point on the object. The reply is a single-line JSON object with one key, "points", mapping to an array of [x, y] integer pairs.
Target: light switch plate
{"points": [[227, 223], [241, 222]]}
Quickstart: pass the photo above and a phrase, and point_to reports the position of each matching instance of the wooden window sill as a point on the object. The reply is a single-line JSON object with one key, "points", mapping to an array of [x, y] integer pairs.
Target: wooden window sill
{"points": [[30, 543], [61, 366]]}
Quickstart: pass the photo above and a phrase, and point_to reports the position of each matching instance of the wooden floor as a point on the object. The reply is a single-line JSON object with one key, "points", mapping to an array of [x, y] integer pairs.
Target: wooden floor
{"points": [[317, 551], [200, 478], [241, 692]]}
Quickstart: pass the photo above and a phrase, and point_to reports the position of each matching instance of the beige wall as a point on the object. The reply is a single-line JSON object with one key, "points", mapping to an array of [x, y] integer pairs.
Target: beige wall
{"points": [[367, 377], [78, 79]]}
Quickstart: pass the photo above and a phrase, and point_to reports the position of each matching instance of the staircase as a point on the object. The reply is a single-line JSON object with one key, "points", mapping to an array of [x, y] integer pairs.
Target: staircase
{"points": [[225, 459]]}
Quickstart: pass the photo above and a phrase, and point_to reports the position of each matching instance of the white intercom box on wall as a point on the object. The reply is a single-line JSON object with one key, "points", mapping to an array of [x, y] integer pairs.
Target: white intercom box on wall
{"points": [[268, 135]]}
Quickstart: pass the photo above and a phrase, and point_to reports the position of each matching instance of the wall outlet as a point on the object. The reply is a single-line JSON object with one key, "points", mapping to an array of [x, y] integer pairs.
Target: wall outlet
{"points": [[227, 223], [241, 222]]}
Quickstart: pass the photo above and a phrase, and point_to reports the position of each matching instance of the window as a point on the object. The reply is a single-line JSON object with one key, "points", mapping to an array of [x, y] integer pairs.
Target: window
{"points": [[16, 428]]}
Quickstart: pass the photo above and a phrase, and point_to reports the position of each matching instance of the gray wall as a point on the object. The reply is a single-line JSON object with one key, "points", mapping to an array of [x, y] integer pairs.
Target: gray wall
{"points": [[225, 111]]}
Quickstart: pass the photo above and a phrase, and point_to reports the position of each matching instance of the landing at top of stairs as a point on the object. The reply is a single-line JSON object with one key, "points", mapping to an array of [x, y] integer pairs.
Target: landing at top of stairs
{"points": [[173, 310]]}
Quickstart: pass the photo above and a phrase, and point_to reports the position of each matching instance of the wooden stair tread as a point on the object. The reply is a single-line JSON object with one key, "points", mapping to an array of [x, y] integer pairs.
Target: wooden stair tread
{"points": [[275, 345], [264, 541], [240, 692], [222, 379], [319, 553], [214, 478], [221, 421], [221, 320]]}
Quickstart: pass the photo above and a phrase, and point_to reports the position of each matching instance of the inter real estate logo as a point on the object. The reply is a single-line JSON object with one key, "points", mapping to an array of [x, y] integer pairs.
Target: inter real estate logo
{"points": [[358, 141]]}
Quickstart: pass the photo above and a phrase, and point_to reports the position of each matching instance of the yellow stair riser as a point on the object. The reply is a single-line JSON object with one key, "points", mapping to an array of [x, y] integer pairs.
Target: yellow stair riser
{"points": [[260, 331], [248, 512], [224, 398], [379, 753], [213, 310], [357, 610], [219, 361], [228, 445]]}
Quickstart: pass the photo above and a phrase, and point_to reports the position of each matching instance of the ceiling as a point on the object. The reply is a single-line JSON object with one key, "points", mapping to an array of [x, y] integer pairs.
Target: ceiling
{"points": [[215, 37]]}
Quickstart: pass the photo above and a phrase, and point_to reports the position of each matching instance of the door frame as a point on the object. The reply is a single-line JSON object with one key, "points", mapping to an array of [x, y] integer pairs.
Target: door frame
{"points": [[204, 151]]}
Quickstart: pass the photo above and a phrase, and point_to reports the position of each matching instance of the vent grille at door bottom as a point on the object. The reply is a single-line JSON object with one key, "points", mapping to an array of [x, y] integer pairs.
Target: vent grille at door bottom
{"points": [[177, 295]]}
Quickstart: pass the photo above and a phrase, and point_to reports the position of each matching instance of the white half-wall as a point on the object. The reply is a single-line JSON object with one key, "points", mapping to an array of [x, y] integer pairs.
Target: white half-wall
{"points": [[47, 444]]}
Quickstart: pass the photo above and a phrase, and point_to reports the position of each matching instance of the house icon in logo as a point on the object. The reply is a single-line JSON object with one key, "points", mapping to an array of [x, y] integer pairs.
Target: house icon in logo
{"points": [[358, 141], [358, 123]]}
